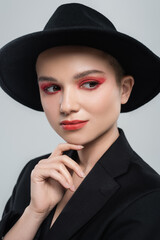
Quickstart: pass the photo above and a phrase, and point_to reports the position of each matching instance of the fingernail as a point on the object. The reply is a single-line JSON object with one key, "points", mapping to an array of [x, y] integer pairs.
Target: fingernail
{"points": [[80, 146], [73, 188], [82, 174], [67, 185]]}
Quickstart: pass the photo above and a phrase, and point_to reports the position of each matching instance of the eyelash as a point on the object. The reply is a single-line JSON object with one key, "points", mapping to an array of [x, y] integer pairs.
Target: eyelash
{"points": [[91, 82], [46, 86]]}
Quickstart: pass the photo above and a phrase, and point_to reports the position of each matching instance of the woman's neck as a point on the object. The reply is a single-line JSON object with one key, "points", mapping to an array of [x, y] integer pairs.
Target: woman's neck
{"points": [[92, 151]]}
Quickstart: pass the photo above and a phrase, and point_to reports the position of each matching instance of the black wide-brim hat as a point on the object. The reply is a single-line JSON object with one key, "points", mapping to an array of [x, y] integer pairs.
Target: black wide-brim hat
{"points": [[76, 24]]}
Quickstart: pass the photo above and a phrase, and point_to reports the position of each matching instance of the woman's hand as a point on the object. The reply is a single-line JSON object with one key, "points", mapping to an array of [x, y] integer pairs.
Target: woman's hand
{"points": [[51, 177]]}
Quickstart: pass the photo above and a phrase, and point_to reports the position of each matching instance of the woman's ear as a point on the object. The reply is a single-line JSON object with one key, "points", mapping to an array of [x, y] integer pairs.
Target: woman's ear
{"points": [[127, 83]]}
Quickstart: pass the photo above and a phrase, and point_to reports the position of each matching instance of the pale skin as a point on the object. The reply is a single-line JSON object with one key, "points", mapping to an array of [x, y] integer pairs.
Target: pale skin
{"points": [[68, 97]]}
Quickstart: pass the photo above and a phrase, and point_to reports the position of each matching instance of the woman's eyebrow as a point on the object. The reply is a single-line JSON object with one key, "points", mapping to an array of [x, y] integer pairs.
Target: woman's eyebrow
{"points": [[44, 78], [85, 73], [76, 76]]}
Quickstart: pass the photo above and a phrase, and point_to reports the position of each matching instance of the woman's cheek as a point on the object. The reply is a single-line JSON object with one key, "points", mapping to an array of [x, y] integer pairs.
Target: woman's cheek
{"points": [[94, 100], [51, 111]]}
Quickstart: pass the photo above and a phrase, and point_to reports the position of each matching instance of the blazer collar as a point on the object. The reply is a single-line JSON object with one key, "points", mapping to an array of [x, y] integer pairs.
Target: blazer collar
{"points": [[116, 159], [95, 190]]}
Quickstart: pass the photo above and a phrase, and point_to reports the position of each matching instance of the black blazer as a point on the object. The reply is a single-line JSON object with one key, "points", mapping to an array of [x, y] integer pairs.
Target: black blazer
{"points": [[118, 200]]}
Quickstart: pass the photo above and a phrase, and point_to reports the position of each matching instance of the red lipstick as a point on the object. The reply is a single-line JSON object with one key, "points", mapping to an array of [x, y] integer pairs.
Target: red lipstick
{"points": [[72, 125]]}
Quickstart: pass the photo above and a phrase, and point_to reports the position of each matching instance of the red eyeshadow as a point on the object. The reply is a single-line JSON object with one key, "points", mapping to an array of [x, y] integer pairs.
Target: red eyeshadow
{"points": [[99, 81], [45, 85]]}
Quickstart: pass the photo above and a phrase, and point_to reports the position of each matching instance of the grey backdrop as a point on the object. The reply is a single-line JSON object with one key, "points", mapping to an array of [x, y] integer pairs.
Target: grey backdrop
{"points": [[25, 133]]}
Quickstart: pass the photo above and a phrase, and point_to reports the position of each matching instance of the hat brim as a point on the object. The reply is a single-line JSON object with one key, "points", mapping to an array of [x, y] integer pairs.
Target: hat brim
{"points": [[18, 58]]}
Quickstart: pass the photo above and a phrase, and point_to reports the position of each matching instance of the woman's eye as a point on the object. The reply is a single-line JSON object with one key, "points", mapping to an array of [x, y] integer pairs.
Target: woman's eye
{"points": [[51, 89], [90, 85]]}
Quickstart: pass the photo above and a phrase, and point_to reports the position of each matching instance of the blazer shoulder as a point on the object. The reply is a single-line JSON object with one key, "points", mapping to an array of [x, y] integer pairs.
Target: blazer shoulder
{"points": [[30, 165], [140, 180], [143, 172], [20, 197], [140, 219]]}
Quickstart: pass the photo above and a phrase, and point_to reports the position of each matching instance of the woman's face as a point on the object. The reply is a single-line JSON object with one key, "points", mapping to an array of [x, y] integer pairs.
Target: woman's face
{"points": [[77, 83]]}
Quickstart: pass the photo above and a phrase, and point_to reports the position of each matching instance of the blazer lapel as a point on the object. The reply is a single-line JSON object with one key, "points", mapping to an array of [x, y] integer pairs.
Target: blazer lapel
{"points": [[88, 199], [91, 195]]}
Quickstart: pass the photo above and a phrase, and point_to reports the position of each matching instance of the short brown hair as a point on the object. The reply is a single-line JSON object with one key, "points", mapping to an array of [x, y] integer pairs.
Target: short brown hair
{"points": [[119, 71]]}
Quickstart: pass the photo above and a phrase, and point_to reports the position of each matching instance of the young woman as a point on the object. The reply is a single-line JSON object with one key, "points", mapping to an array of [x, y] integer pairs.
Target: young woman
{"points": [[94, 186]]}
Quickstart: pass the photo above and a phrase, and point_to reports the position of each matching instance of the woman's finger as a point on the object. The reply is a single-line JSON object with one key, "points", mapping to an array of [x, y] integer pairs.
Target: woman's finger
{"points": [[70, 163], [61, 179], [39, 175], [62, 147], [64, 171], [58, 166]]}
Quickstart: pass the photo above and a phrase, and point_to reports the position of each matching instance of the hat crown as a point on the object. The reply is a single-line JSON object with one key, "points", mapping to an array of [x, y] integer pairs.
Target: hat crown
{"points": [[76, 24], [76, 15]]}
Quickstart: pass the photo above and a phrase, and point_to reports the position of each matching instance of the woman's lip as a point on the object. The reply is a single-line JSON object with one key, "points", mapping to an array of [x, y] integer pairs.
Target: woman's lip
{"points": [[73, 125], [67, 122]]}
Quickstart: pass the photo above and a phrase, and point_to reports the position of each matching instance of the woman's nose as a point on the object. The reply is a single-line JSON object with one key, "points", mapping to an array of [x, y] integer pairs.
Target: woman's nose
{"points": [[69, 102]]}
